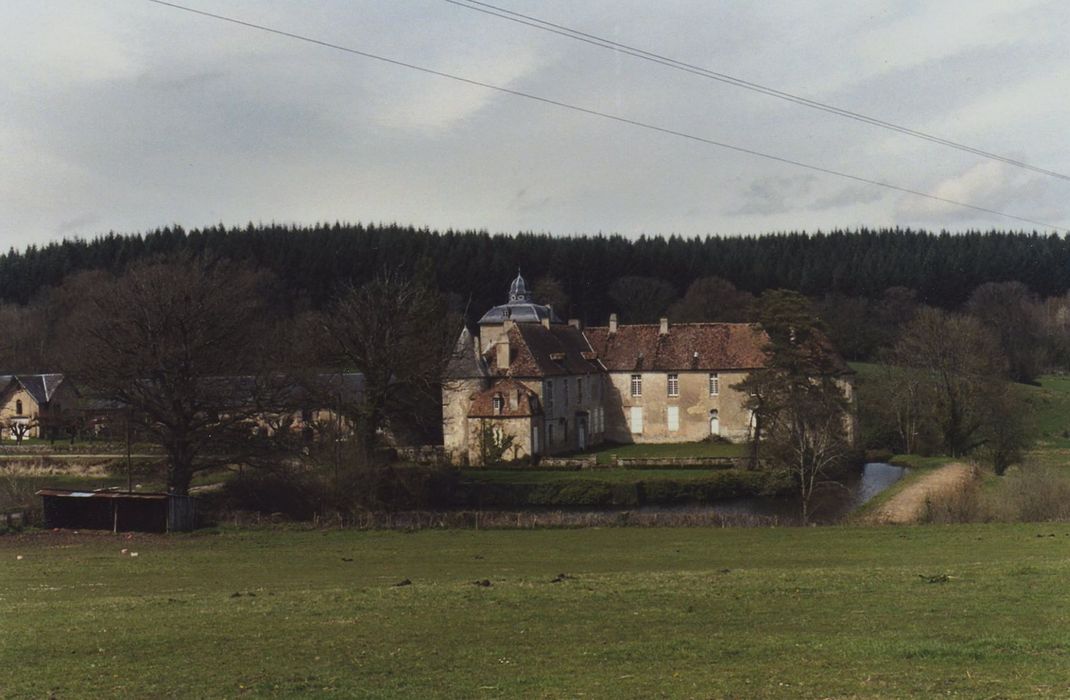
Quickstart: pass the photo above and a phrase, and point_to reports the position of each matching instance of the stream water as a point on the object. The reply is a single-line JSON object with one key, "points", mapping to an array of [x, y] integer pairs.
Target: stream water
{"points": [[831, 502]]}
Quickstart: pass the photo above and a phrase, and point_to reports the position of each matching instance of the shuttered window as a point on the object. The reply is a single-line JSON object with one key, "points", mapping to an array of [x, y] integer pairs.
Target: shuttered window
{"points": [[637, 420]]}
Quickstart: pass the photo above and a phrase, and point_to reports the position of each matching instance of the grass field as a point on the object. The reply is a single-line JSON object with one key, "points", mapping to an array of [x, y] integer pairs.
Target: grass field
{"points": [[608, 453], [801, 612], [536, 476]]}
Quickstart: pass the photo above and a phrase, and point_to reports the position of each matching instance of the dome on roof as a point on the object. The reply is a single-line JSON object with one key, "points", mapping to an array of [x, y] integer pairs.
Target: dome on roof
{"points": [[518, 290], [521, 308]]}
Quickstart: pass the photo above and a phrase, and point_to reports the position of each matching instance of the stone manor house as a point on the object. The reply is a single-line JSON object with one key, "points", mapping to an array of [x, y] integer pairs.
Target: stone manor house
{"points": [[558, 387]]}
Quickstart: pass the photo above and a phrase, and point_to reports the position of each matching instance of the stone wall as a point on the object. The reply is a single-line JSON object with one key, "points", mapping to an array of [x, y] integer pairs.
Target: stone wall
{"points": [[693, 405]]}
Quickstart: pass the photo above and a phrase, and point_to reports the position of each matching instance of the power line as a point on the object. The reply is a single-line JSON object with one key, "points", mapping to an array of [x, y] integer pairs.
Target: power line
{"points": [[594, 40], [603, 115]]}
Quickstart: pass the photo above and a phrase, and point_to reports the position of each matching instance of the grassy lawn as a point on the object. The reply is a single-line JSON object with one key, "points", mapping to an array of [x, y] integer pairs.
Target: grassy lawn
{"points": [[1049, 411], [798, 612], [608, 453], [543, 476]]}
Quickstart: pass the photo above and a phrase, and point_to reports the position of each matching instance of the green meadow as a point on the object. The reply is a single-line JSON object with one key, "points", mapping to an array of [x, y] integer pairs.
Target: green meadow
{"points": [[967, 610]]}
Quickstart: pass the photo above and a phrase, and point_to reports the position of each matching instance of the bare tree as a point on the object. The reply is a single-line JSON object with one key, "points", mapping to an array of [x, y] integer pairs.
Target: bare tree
{"points": [[807, 435], [713, 299], [396, 332], [641, 299], [1013, 314], [549, 290], [20, 428], [800, 408], [956, 359], [180, 345]]}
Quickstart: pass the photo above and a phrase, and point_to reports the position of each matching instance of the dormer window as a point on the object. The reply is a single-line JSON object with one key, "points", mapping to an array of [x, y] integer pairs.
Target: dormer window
{"points": [[499, 404]]}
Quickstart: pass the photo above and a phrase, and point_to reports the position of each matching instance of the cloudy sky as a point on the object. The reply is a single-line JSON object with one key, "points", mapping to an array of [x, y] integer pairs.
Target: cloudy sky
{"points": [[125, 115]]}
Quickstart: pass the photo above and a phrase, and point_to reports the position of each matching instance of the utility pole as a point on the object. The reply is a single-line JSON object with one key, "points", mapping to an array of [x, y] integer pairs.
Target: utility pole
{"points": [[129, 461]]}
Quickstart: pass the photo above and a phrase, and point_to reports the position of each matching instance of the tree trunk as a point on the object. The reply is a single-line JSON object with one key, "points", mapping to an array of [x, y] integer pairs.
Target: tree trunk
{"points": [[180, 470]]}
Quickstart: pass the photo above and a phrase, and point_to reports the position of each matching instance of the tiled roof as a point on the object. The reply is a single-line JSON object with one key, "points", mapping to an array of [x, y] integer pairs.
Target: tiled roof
{"points": [[687, 346], [517, 401], [538, 351]]}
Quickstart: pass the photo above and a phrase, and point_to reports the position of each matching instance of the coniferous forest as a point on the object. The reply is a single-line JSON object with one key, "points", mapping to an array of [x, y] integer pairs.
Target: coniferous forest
{"points": [[474, 268]]}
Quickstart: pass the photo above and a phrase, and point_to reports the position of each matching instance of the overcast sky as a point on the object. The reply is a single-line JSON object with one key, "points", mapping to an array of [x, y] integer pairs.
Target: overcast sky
{"points": [[124, 115]]}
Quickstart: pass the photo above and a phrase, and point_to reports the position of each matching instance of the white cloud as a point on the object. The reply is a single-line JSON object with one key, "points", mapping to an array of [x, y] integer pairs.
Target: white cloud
{"points": [[433, 104]]}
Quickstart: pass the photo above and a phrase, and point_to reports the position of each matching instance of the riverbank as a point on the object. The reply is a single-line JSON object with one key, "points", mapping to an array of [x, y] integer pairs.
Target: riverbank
{"points": [[913, 502]]}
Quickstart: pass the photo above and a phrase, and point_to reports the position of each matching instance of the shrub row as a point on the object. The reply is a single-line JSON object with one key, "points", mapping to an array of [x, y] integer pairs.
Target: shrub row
{"points": [[598, 493]]}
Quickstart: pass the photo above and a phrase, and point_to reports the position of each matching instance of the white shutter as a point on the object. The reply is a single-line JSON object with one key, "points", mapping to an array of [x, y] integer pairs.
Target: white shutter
{"points": [[673, 414], [637, 420]]}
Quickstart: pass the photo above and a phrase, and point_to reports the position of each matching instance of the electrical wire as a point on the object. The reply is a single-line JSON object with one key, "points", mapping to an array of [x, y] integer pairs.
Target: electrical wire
{"points": [[603, 115], [595, 40]]}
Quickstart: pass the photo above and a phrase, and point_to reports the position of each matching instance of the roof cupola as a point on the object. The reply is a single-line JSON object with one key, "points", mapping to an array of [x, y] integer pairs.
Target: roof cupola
{"points": [[518, 291]]}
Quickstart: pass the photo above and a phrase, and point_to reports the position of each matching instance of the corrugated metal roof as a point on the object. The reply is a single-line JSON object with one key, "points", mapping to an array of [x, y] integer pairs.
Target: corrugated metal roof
{"points": [[68, 493]]}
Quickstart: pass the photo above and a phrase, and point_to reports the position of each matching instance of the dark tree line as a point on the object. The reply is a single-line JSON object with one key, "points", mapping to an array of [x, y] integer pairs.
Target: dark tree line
{"points": [[311, 262]]}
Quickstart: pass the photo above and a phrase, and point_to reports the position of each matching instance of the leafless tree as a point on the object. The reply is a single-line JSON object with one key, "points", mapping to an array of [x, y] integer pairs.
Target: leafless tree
{"points": [[955, 358], [180, 345], [20, 428], [713, 299], [396, 332], [800, 408], [1015, 316]]}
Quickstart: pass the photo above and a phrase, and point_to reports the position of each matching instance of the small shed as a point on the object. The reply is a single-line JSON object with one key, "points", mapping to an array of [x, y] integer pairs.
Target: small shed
{"points": [[118, 511]]}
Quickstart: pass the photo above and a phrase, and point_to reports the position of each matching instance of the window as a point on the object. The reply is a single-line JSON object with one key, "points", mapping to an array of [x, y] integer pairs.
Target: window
{"points": [[18, 407], [674, 385], [566, 392], [499, 404], [673, 416], [637, 385], [579, 390], [637, 420], [715, 384], [549, 434], [548, 395]]}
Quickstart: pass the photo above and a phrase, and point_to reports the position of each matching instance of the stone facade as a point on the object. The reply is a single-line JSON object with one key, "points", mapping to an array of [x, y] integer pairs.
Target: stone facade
{"points": [[702, 404], [621, 383], [37, 401]]}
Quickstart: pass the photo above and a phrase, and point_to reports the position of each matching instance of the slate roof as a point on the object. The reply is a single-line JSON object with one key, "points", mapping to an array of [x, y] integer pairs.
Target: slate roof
{"points": [[538, 351], [466, 363], [525, 312], [40, 386], [518, 401], [687, 346]]}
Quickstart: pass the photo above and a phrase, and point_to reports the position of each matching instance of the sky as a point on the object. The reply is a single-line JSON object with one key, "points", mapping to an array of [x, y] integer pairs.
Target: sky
{"points": [[123, 115]]}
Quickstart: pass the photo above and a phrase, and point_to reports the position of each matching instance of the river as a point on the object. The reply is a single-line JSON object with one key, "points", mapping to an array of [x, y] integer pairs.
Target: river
{"points": [[831, 502]]}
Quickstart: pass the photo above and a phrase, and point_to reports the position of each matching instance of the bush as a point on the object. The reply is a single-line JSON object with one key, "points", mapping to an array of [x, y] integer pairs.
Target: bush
{"points": [[304, 494], [600, 493], [1033, 494]]}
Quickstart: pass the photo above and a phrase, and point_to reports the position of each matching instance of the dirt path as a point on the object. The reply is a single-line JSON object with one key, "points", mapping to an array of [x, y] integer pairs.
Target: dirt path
{"points": [[908, 506]]}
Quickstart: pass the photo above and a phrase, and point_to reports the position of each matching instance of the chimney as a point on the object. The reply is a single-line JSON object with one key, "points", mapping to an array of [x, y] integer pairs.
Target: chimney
{"points": [[503, 353], [575, 323], [613, 323], [664, 330]]}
